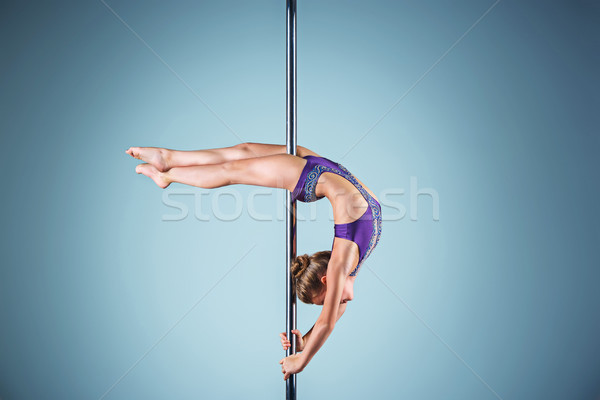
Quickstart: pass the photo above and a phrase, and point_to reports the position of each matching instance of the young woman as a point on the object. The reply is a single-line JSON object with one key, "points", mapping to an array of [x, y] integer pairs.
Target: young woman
{"points": [[327, 277]]}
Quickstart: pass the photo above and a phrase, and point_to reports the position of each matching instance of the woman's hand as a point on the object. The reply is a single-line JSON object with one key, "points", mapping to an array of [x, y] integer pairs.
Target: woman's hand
{"points": [[286, 343], [292, 365]]}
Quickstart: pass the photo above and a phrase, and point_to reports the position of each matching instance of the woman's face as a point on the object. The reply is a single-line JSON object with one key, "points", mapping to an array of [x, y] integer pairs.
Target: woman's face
{"points": [[347, 293]]}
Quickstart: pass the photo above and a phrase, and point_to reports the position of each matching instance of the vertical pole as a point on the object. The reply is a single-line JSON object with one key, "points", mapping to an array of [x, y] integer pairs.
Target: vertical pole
{"points": [[291, 205]]}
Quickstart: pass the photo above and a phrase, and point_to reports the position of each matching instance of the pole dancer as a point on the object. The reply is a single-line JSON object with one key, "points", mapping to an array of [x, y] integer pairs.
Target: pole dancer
{"points": [[324, 278]]}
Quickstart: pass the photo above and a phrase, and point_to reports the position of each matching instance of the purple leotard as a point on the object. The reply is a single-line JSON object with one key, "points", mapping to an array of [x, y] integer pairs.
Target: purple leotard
{"points": [[366, 230]]}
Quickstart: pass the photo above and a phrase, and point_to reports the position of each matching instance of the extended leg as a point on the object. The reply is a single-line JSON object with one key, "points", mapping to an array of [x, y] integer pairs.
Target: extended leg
{"points": [[276, 171], [164, 159]]}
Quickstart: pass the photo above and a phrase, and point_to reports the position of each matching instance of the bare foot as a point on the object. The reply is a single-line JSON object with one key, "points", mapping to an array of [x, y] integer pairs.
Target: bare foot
{"points": [[152, 155], [151, 172]]}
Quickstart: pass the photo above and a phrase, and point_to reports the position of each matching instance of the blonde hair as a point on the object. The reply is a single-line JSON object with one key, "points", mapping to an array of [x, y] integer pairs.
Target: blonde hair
{"points": [[307, 272]]}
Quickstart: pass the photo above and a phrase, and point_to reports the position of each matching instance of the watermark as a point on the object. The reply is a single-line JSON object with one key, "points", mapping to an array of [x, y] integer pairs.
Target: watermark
{"points": [[266, 204]]}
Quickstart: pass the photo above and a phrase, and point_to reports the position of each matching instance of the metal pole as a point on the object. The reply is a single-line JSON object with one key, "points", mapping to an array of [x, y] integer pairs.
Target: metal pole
{"points": [[290, 303]]}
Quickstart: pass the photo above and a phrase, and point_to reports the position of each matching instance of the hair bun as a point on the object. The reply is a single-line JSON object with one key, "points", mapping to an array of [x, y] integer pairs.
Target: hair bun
{"points": [[307, 272], [299, 265]]}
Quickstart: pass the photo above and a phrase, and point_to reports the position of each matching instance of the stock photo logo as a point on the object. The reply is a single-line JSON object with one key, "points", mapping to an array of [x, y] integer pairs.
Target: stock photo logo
{"points": [[229, 204]]}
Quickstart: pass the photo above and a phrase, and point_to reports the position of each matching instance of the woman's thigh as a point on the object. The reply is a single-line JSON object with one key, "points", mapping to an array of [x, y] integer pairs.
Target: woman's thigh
{"points": [[276, 171]]}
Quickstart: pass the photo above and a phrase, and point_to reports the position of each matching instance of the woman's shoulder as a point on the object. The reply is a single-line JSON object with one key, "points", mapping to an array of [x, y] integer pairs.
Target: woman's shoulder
{"points": [[344, 255]]}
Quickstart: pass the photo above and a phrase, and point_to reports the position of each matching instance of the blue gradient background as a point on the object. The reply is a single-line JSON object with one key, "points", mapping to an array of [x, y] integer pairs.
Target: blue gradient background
{"points": [[504, 129]]}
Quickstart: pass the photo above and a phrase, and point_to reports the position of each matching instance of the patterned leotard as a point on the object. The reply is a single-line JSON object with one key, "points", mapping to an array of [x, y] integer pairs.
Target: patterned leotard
{"points": [[366, 230]]}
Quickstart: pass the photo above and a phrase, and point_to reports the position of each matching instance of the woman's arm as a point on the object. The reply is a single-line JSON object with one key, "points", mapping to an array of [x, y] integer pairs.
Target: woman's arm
{"points": [[301, 343], [341, 310], [336, 278], [338, 268]]}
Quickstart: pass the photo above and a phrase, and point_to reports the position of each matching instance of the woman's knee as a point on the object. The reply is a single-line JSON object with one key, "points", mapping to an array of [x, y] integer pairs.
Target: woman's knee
{"points": [[243, 150], [233, 171]]}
